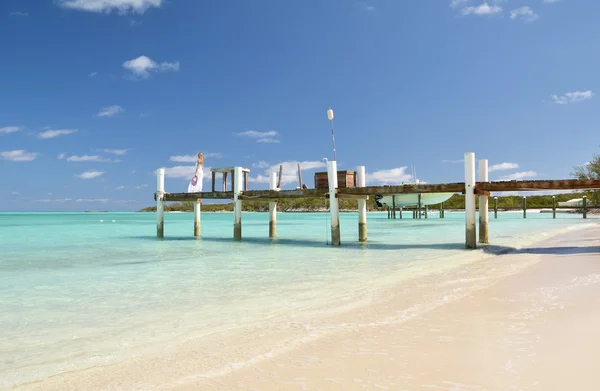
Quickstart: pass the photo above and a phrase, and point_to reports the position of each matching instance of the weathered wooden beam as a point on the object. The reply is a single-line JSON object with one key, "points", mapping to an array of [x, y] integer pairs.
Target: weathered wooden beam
{"points": [[283, 194], [480, 192], [406, 189], [559, 184], [218, 195], [350, 196]]}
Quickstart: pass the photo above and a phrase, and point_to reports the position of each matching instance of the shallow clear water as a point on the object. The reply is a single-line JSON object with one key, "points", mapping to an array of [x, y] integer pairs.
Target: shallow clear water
{"points": [[80, 288]]}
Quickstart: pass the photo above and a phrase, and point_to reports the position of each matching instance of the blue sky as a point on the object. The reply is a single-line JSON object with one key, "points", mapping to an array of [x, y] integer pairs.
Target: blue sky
{"points": [[97, 94]]}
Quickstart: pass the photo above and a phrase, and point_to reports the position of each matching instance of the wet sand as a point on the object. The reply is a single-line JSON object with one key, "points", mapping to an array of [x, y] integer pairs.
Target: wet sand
{"points": [[537, 328]]}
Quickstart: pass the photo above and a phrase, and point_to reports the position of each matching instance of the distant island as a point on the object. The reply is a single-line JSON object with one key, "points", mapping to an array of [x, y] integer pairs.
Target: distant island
{"points": [[457, 202]]}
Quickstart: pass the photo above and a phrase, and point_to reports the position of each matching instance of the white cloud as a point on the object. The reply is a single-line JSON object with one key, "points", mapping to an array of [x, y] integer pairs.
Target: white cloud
{"points": [[62, 156], [126, 202], [261, 164], [55, 133], [289, 173], [92, 74], [453, 161], [519, 175], [90, 158], [458, 3], [19, 156], [119, 152], [59, 200], [119, 187], [481, 10], [142, 66], [121, 6], [502, 166], [194, 158], [90, 174], [110, 111], [394, 176], [18, 13], [141, 187], [550, 1], [525, 13], [10, 129], [573, 97], [261, 137], [92, 200]]}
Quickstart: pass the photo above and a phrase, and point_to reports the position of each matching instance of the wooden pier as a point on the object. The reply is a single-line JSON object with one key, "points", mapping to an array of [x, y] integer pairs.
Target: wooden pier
{"points": [[470, 188]]}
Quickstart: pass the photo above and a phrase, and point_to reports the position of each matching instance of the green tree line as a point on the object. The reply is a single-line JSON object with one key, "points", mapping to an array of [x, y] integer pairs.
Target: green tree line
{"points": [[457, 201]]}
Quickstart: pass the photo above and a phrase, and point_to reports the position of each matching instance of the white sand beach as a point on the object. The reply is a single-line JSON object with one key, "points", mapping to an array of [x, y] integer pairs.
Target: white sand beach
{"points": [[536, 329]]}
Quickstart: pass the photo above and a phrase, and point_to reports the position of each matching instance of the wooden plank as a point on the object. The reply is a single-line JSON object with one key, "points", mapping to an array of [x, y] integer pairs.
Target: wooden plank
{"points": [[349, 196], [228, 169], [482, 192], [560, 184], [217, 195], [283, 194], [404, 189]]}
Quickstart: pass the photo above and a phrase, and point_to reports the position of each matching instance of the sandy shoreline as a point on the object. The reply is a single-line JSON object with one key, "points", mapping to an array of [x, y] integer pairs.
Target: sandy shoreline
{"points": [[534, 330], [495, 324]]}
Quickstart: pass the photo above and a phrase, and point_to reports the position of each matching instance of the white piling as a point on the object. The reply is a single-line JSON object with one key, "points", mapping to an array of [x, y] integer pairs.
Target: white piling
{"points": [[362, 205], [470, 212], [273, 208], [197, 210], [483, 204], [160, 204], [237, 223], [334, 207]]}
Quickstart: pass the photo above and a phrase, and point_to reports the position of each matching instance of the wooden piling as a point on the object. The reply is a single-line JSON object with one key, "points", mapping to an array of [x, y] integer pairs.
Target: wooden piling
{"points": [[524, 207], [197, 209], [393, 206], [585, 207], [426, 211], [334, 208], [237, 189], [273, 208], [553, 207], [420, 206], [280, 176], [214, 177], [495, 207], [246, 177], [160, 204], [300, 175], [442, 211], [483, 203], [225, 181], [362, 205], [400, 212], [470, 211]]}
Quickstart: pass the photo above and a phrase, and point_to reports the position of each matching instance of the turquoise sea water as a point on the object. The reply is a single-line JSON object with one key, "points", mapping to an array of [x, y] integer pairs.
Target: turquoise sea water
{"points": [[79, 289]]}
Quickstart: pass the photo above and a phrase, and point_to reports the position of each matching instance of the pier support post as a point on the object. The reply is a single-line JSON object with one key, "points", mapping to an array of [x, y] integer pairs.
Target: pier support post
{"points": [[400, 212], [197, 209], [393, 206], [483, 204], [160, 204], [273, 208], [334, 207], [470, 212], [495, 207], [585, 207], [420, 206], [237, 189], [426, 211], [442, 210], [362, 205], [524, 207], [553, 207]]}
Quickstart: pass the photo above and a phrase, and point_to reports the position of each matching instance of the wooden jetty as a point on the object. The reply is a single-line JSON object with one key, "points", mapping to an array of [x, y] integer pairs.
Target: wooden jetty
{"points": [[470, 188]]}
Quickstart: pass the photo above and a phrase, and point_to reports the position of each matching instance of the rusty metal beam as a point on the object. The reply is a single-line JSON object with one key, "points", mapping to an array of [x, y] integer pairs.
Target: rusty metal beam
{"points": [[560, 184], [404, 189]]}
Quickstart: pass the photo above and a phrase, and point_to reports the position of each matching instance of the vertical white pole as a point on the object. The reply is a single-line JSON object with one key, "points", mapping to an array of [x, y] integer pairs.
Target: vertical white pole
{"points": [[362, 205], [334, 207], [237, 223], [273, 208], [197, 209], [471, 214], [483, 204], [160, 204]]}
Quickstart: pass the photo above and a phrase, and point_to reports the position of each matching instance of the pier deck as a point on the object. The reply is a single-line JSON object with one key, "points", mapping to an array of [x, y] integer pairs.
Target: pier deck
{"points": [[481, 188]]}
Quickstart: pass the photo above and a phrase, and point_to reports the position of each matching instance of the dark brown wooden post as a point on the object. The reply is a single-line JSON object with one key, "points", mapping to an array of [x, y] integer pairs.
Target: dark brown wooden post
{"points": [[553, 207], [495, 207], [214, 175], [224, 180], [524, 207], [233, 181], [393, 206], [585, 207], [280, 175]]}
